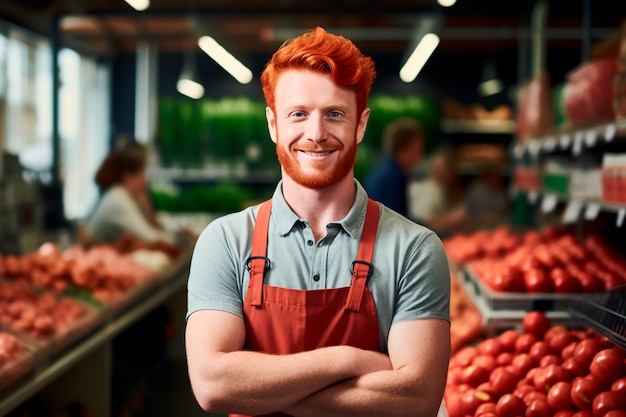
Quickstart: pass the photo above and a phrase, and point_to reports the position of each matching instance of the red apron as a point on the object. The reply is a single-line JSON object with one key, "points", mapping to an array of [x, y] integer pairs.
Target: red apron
{"points": [[284, 320]]}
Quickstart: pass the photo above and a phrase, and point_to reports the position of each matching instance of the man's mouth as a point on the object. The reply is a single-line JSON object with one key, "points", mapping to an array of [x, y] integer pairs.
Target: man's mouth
{"points": [[316, 153]]}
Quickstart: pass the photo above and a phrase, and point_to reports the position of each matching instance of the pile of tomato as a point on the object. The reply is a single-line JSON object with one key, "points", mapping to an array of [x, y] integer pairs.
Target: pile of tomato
{"points": [[540, 370]]}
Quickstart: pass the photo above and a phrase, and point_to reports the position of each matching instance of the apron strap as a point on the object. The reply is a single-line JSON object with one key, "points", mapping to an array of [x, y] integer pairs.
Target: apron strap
{"points": [[362, 267], [258, 261]]}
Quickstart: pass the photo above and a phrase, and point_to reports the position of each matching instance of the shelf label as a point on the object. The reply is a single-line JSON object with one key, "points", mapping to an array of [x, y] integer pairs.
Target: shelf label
{"points": [[572, 211], [565, 141], [610, 131], [590, 138], [592, 211], [620, 217], [548, 203], [532, 197], [578, 143], [550, 144]]}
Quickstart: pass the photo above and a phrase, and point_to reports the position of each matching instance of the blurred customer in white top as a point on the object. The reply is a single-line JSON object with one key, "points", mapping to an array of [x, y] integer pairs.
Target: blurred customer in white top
{"points": [[429, 199], [125, 206]]}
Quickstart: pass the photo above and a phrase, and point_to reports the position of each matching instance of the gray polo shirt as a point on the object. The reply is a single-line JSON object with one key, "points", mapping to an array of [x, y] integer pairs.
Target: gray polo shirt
{"points": [[411, 279]]}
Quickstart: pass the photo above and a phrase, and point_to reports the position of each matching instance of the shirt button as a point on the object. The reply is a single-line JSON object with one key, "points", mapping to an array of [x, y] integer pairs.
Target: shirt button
{"points": [[316, 277], [309, 242]]}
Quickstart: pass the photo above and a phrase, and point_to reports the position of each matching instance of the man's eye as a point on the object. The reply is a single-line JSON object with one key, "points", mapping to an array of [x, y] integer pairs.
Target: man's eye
{"points": [[335, 114], [297, 114]]}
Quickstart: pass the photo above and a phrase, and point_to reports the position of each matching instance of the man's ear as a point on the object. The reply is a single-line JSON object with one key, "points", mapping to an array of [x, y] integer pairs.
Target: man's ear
{"points": [[271, 122], [362, 125]]}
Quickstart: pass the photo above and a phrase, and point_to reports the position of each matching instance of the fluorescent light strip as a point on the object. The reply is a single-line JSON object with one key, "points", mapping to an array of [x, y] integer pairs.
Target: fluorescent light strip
{"points": [[224, 58], [190, 88], [418, 58], [139, 4]]}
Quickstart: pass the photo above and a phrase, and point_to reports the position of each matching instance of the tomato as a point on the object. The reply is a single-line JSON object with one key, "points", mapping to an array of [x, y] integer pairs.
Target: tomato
{"points": [[549, 376], [521, 364], [536, 280], [474, 375], [534, 396], [586, 350], [464, 356], [490, 346], [536, 323], [504, 358], [523, 390], [454, 406], [472, 399], [539, 408], [583, 414], [524, 342], [487, 388], [564, 282], [568, 351], [502, 381], [550, 360], [608, 401], [574, 367], [619, 385], [589, 283], [538, 350], [558, 337], [487, 362], [507, 339], [615, 413], [559, 397], [564, 413], [607, 365], [510, 405], [487, 407], [584, 390]]}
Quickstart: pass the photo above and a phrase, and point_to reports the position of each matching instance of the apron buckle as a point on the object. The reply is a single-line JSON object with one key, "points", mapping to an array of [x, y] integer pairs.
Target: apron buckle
{"points": [[251, 258], [370, 267]]}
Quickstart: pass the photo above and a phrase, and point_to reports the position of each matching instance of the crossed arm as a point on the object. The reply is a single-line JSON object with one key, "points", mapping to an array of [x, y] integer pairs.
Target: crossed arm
{"points": [[332, 381]]}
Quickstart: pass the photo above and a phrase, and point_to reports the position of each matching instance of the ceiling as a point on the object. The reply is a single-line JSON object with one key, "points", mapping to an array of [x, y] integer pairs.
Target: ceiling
{"points": [[110, 27]]}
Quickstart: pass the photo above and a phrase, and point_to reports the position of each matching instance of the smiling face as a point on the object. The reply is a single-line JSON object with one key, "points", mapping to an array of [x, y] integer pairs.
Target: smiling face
{"points": [[316, 128]]}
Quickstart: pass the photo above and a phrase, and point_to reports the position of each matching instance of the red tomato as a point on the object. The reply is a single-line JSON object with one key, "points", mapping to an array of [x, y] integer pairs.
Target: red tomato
{"points": [[490, 346], [533, 396], [536, 280], [524, 342], [559, 397], [507, 339], [607, 365], [558, 338], [615, 413], [502, 381], [608, 401], [472, 399], [589, 283], [619, 385], [584, 390], [488, 407], [564, 282], [521, 364], [564, 413], [474, 375], [538, 350], [522, 390], [510, 405], [586, 350], [487, 362], [464, 356], [583, 414], [574, 367], [504, 358], [536, 323], [549, 376], [550, 360], [539, 408], [568, 351]]}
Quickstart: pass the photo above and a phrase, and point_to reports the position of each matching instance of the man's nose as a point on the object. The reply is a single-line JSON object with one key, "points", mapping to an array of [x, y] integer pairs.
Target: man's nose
{"points": [[317, 129]]}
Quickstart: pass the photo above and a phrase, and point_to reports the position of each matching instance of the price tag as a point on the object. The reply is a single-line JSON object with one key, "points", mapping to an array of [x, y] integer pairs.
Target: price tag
{"points": [[565, 141], [590, 138], [609, 133], [578, 145], [620, 217], [592, 211], [532, 197], [548, 203], [572, 211], [518, 150], [550, 144]]}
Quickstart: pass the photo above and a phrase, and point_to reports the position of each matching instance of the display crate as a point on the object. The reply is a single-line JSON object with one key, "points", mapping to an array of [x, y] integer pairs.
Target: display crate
{"points": [[19, 366], [605, 312], [515, 300]]}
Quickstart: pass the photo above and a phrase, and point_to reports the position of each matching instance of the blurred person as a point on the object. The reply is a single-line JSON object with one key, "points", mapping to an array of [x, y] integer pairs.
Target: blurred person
{"points": [[429, 199], [387, 183], [319, 301], [486, 200]]}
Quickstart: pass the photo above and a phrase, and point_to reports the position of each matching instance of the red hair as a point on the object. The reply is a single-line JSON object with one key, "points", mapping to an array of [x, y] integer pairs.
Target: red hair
{"points": [[320, 51]]}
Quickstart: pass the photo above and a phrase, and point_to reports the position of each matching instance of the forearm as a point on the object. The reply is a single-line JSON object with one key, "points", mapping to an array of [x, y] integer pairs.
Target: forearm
{"points": [[254, 383], [388, 393]]}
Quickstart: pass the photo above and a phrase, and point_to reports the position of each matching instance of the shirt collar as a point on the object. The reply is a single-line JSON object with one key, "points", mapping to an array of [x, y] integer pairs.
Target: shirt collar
{"points": [[286, 219]]}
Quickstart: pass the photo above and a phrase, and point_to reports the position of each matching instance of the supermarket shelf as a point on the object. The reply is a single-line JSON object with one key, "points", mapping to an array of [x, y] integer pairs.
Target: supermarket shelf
{"points": [[63, 362], [478, 126], [575, 139]]}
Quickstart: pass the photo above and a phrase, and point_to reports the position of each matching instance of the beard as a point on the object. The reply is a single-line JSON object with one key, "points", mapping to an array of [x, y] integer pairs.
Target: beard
{"points": [[321, 175]]}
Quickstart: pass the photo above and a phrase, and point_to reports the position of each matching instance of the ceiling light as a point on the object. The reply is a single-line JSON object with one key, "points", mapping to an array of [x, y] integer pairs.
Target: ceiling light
{"points": [[446, 3], [139, 4], [188, 83], [225, 59], [418, 58], [490, 84]]}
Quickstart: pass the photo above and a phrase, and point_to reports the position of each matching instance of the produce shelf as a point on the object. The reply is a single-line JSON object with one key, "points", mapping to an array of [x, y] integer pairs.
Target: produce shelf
{"points": [[605, 312]]}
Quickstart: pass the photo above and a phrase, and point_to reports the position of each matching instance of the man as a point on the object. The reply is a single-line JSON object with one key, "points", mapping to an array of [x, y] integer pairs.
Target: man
{"points": [[403, 144], [324, 303]]}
